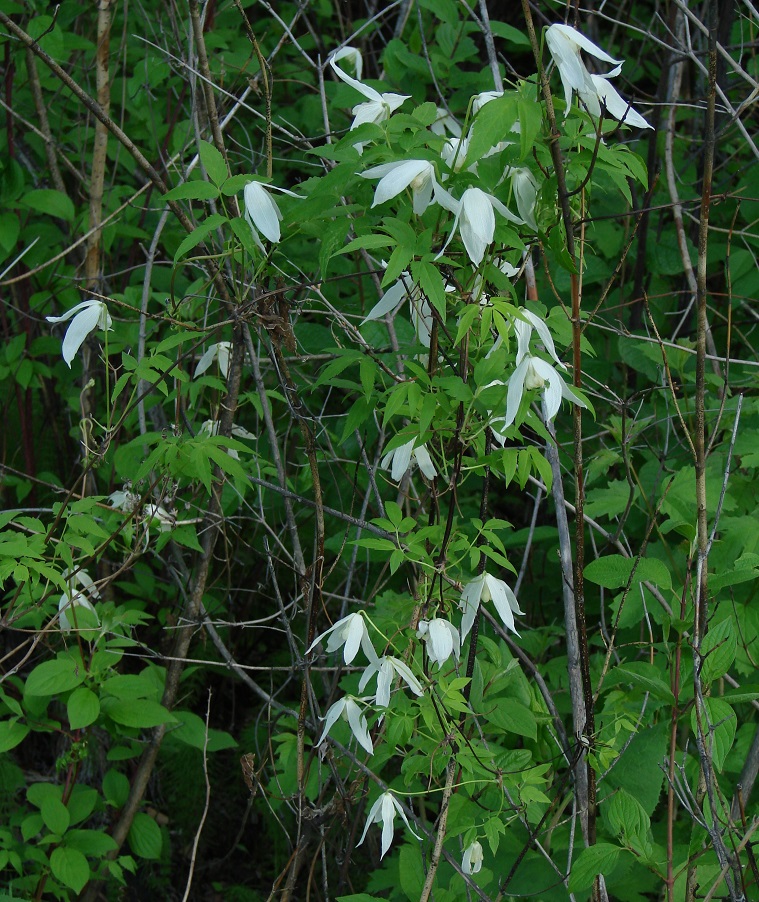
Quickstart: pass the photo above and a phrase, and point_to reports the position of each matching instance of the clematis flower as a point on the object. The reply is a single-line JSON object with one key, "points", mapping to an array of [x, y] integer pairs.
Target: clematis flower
{"points": [[525, 188], [87, 316], [77, 598], [385, 667], [445, 124], [565, 44], [534, 373], [454, 153], [479, 100], [377, 107], [261, 211], [399, 459], [442, 639], [419, 175], [475, 216], [219, 352], [348, 709], [486, 588], [351, 632], [421, 312], [472, 860], [383, 810]]}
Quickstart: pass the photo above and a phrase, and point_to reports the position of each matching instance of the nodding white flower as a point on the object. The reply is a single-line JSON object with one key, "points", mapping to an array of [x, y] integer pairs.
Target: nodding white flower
{"points": [[351, 632], [445, 123], [384, 810], [75, 598], [348, 709], [532, 372], [565, 44], [421, 312], [474, 213], [479, 101], [472, 860], [385, 667], [220, 353], [419, 175], [525, 188], [262, 213], [454, 153], [377, 107], [442, 640], [87, 316], [486, 588], [211, 427], [399, 459]]}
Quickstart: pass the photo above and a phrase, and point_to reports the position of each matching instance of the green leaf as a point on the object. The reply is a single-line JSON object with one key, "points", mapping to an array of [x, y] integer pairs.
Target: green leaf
{"points": [[83, 708], [145, 838], [51, 203], [718, 650], [645, 675], [209, 224], [626, 816], [192, 732], [195, 190], [91, 842], [370, 242], [11, 734], [430, 279], [138, 713], [613, 571], [57, 676], [55, 815], [213, 163], [70, 867], [639, 769], [598, 859], [492, 125], [115, 788], [514, 717], [719, 723]]}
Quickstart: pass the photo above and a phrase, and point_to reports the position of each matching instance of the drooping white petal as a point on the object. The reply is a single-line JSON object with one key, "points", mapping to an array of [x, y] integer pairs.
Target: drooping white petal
{"points": [[331, 717], [545, 336], [472, 861], [219, 352], [396, 177], [479, 101], [424, 460], [351, 631], [358, 725], [87, 316], [399, 459], [552, 385], [373, 817], [422, 319], [384, 680], [389, 301], [515, 391], [388, 816], [470, 603], [615, 104], [477, 223], [504, 600], [67, 616], [261, 211], [442, 639], [405, 673]]}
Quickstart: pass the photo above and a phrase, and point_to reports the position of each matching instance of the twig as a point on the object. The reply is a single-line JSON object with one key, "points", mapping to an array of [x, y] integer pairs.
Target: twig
{"points": [[196, 841]]}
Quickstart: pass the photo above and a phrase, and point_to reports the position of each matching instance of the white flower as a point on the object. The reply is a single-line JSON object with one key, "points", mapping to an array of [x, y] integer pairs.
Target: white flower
{"points": [[445, 123], [124, 500], [385, 667], [532, 373], [378, 107], [605, 93], [488, 588], [74, 598], [565, 44], [421, 312], [479, 101], [350, 711], [419, 175], [88, 316], [400, 460], [474, 213], [219, 352], [442, 640], [472, 861], [262, 213], [384, 810], [525, 188], [454, 153], [351, 632]]}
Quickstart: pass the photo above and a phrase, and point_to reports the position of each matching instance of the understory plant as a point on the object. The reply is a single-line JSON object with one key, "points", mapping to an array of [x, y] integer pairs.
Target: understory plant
{"points": [[378, 477]]}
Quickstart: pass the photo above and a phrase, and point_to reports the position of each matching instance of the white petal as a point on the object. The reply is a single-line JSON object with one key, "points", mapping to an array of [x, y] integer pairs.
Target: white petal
{"points": [[205, 361], [331, 718], [425, 461], [357, 723], [403, 816], [573, 36], [515, 392], [388, 816], [373, 817], [83, 323], [262, 210], [616, 105], [355, 633], [552, 391], [367, 675], [404, 671], [422, 319], [384, 679], [545, 336]]}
